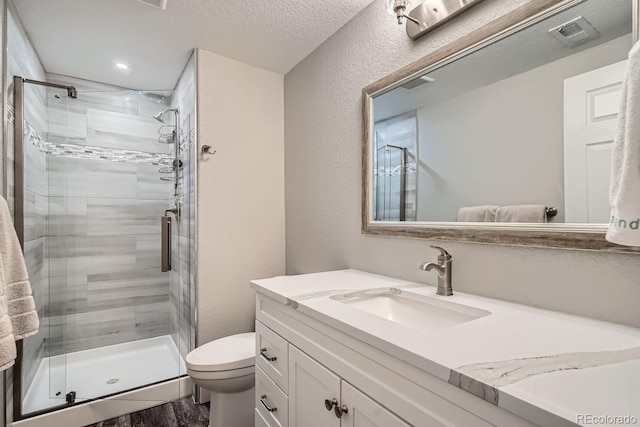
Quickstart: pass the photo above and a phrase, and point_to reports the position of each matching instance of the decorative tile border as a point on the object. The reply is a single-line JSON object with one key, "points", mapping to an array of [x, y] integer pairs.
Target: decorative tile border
{"points": [[75, 151], [100, 153], [395, 170]]}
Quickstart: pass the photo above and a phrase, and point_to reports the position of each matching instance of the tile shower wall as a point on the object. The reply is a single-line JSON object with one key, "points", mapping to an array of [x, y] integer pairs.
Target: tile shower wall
{"points": [[182, 287], [22, 60], [106, 198]]}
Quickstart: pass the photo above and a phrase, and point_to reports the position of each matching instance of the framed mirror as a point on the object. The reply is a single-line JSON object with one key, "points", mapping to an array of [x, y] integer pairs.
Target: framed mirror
{"points": [[504, 136]]}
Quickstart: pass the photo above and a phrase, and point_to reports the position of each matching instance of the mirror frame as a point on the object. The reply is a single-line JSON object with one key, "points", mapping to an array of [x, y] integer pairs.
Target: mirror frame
{"points": [[585, 237]]}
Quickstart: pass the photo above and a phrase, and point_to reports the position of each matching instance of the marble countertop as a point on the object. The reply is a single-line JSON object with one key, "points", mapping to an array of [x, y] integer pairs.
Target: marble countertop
{"points": [[550, 368]]}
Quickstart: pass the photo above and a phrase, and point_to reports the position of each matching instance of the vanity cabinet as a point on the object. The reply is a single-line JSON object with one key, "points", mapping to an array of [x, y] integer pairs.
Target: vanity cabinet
{"points": [[325, 362], [316, 392], [310, 384], [317, 397]]}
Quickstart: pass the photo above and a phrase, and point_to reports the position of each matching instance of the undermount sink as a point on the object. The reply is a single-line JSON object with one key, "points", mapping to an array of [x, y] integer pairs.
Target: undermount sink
{"points": [[408, 309]]}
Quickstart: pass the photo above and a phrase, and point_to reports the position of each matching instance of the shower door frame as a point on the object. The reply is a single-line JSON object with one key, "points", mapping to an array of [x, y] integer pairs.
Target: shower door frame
{"points": [[18, 176]]}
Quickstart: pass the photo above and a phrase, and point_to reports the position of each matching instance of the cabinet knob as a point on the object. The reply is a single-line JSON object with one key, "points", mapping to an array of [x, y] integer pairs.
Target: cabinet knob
{"points": [[329, 404], [340, 411]]}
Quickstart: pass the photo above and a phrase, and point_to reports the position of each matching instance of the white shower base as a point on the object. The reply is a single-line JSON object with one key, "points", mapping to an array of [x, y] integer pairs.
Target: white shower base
{"points": [[103, 371]]}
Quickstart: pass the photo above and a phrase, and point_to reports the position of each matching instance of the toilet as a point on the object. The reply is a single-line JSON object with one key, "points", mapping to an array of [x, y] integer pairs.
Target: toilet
{"points": [[226, 367]]}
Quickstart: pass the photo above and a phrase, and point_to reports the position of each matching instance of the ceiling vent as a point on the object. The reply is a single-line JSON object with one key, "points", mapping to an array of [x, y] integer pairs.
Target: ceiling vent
{"points": [[418, 81], [162, 4], [574, 32]]}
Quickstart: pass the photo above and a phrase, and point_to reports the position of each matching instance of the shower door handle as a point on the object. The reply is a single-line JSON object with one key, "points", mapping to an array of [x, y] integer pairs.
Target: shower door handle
{"points": [[166, 243]]}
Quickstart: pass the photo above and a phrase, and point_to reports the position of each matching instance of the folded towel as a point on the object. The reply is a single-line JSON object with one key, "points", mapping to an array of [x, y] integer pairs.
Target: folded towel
{"points": [[18, 318], [624, 196], [477, 213], [522, 213]]}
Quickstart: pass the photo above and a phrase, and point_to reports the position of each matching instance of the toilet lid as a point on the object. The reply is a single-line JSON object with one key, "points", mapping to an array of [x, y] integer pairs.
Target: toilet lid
{"points": [[232, 352]]}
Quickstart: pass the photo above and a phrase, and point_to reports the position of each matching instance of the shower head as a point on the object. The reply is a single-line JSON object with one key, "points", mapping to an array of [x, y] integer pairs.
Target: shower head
{"points": [[160, 116]]}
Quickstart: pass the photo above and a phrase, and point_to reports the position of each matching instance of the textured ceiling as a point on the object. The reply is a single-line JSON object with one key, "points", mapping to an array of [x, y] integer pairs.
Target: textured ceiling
{"points": [[83, 38]]}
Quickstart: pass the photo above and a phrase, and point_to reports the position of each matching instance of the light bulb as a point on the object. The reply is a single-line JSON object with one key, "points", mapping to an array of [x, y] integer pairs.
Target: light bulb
{"points": [[391, 4], [398, 8]]}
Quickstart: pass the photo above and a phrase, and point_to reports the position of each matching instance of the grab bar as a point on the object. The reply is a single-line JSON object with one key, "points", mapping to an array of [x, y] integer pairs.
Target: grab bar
{"points": [[166, 243]]}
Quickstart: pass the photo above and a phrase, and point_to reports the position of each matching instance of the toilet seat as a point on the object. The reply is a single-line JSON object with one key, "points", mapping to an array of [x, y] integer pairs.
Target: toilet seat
{"points": [[222, 375], [227, 356]]}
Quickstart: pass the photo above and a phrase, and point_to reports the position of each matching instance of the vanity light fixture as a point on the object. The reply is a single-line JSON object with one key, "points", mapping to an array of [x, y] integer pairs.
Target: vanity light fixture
{"points": [[427, 15]]}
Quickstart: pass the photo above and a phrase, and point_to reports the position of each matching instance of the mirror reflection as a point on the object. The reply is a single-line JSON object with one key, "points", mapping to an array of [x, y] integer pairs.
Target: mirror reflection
{"points": [[518, 131]]}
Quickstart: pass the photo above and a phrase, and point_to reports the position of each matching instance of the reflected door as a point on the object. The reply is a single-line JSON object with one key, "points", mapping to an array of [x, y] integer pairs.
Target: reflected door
{"points": [[591, 107]]}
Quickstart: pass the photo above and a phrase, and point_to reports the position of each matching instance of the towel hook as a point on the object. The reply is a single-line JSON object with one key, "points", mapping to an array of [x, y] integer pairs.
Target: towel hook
{"points": [[206, 149]]}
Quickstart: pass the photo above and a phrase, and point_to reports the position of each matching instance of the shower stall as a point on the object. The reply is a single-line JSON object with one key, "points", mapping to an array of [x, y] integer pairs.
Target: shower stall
{"points": [[94, 172], [394, 164]]}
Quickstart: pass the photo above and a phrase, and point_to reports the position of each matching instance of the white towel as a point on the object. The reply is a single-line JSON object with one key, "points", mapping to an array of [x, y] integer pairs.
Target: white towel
{"points": [[477, 213], [18, 318], [624, 188], [522, 213]]}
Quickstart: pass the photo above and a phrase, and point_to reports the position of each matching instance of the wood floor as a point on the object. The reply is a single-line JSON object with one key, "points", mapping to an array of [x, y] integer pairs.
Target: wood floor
{"points": [[181, 413]]}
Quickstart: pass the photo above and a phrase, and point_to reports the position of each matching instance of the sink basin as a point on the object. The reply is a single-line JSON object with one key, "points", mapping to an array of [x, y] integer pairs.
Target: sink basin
{"points": [[416, 311]]}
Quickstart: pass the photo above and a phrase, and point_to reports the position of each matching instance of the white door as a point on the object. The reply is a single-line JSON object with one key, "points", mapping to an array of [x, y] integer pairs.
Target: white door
{"points": [[591, 105], [310, 384], [364, 412]]}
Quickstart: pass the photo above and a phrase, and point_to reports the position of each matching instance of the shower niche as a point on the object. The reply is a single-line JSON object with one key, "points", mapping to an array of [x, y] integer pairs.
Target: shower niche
{"points": [[95, 170]]}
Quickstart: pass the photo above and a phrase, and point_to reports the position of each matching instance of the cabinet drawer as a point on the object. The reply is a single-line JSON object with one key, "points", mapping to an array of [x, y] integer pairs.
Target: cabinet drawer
{"points": [[272, 355], [271, 402]]}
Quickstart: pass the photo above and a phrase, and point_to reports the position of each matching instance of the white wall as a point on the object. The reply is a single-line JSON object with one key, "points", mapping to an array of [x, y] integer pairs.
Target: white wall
{"points": [[240, 113], [520, 118], [323, 137]]}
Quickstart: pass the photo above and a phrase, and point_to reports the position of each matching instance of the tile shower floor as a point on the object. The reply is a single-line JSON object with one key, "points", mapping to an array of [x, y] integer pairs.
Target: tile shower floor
{"points": [[103, 371]]}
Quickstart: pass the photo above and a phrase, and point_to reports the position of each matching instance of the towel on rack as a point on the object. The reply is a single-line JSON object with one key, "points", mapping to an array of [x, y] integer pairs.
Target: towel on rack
{"points": [[477, 213], [624, 193], [18, 318], [522, 213]]}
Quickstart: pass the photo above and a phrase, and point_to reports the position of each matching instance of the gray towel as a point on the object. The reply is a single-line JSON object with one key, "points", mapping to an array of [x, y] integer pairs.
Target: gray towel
{"points": [[477, 213], [522, 213], [18, 318]]}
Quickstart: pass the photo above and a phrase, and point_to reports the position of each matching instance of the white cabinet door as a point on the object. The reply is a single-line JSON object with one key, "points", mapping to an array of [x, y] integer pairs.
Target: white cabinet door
{"points": [[310, 384], [364, 412], [591, 105]]}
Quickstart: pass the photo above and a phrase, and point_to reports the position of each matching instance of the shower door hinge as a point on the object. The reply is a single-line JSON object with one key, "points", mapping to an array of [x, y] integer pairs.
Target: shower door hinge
{"points": [[71, 397]]}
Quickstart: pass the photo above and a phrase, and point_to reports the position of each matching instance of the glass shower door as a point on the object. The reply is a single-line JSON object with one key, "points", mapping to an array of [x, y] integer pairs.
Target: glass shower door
{"points": [[42, 378], [60, 224], [117, 320]]}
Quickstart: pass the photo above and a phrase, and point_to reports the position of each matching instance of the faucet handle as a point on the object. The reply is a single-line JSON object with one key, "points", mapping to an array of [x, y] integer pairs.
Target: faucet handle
{"points": [[444, 255]]}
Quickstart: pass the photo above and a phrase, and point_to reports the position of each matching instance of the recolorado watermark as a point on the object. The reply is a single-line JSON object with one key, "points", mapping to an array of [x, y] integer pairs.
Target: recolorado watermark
{"points": [[606, 420]]}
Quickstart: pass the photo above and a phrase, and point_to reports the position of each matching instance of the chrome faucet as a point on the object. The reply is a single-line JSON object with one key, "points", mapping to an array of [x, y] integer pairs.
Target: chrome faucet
{"points": [[443, 268]]}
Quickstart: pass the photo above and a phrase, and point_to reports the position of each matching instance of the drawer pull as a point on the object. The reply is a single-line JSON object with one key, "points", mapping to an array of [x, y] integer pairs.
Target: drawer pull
{"points": [[263, 353], [329, 404], [262, 398], [340, 411]]}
